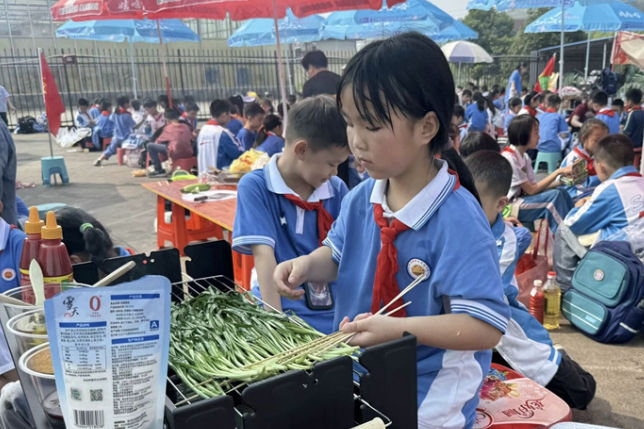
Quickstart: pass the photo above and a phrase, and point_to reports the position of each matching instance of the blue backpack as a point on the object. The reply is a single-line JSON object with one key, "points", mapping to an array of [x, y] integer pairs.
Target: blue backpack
{"points": [[607, 288]]}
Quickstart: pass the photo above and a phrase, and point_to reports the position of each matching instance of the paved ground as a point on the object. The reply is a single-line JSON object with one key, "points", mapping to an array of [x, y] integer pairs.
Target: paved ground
{"points": [[128, 211]]}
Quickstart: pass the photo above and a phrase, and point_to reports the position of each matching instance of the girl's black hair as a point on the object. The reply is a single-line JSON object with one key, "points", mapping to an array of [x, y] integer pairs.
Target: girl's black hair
{"points": [[520, 129], [490, 104], [268, 102], [531, 96], [522, 65], [479, 100], [122, 101], [92, 240], [478, 141], [380, 87], [270, 123]]}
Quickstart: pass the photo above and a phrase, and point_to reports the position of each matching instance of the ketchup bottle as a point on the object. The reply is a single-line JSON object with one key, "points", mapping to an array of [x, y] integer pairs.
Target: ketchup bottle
{"points": [[53, 257], [537, 301], [31, 247]]}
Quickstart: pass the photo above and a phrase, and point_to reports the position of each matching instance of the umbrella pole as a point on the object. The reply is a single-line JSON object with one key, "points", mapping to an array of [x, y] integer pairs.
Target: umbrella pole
{"points": [[459, 73], [280, 64], [587, 56], [133, 70], [165, 65], [561, 59]]}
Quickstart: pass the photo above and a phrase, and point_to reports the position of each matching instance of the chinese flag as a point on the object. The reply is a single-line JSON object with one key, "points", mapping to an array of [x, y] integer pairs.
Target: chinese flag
{"points": [[53, 103], [544, 77]]}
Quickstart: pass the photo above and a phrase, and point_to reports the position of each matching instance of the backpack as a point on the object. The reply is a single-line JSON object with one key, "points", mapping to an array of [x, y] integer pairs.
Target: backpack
{"points": [[605, 301], [609, 81], [26, 125]]}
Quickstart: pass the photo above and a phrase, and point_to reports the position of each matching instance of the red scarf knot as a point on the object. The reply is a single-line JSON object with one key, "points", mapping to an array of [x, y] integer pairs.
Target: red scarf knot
{"points": [[325, 220], [607, 112]]}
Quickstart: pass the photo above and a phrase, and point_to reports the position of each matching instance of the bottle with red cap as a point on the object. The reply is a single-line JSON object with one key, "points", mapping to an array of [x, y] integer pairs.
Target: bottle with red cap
{"points": [[53, 257], [537, 301], [31, 247]]}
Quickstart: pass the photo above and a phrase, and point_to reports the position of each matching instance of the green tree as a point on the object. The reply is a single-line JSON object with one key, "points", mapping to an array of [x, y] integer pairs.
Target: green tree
{"points": [[495, 29]]}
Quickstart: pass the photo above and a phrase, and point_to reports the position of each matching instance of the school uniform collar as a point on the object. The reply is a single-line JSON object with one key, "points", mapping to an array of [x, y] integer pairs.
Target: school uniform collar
{"points": [[5, 230], [275, 183], [583, 153], [418, 211], [498, 228], [607, 111], [625, 171]]}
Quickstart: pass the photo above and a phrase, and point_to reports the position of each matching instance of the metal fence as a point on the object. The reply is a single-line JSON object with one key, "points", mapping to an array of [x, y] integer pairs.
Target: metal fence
{"points": [[497, 72], [204, 74]]}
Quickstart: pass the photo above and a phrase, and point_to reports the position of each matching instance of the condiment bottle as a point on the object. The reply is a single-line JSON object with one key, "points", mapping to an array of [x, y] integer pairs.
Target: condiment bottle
{"points": [[552, 307], [53, 257], [32, 243], [537, 301]]}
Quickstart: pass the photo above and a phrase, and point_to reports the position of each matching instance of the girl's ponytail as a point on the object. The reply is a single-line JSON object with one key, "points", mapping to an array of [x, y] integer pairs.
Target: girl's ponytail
{"points": [[455, 163], [270, 123]]}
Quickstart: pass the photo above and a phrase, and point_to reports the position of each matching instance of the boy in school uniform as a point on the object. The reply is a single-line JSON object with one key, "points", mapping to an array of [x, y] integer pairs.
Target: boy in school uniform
{"points": [[83, 118], [95, 110], [514, 107], [217, 146], [592, 131], [634, 126], [104, 126], [235, 124], [552, 126], [604, 112], [155, 119], [617, 105], [254, 115], [526, 346], [615, 204], [124, 126], [286, 209], [458, 119], [189, 117]]}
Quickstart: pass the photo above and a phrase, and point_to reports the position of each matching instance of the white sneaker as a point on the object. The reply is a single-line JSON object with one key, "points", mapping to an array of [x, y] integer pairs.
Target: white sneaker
{"points": [[97, 163]]}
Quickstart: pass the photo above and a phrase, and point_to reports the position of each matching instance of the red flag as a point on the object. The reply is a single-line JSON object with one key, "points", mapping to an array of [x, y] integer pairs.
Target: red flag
{"points": [[53, 103], [544, 77]]}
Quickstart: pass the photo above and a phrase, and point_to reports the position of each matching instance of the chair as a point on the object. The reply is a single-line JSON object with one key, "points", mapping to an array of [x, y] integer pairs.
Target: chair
{"points": [[53, 165], [186, 164], [552, 159], [638, 157], [51, 207], [120, 155], [106, 142]]}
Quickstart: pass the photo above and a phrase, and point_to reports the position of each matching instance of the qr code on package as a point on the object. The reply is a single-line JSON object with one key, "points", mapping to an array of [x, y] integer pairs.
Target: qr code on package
{"points": [[96, 395], [75, 394]]}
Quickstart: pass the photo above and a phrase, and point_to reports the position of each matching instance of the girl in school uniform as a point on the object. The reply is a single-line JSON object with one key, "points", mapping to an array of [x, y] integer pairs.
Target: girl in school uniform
{"points": [[269, 137], [478, 117], [530, 104], [417, 216]]}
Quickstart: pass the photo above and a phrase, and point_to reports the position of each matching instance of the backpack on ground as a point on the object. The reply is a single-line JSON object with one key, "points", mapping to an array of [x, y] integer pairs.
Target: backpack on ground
{"points": [[26, 125], [607, 288]]}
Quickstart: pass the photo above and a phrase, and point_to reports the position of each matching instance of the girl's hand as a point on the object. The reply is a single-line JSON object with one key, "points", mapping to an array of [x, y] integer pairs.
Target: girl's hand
{"points": [[371, 330], [566, 171], [290, 275]]}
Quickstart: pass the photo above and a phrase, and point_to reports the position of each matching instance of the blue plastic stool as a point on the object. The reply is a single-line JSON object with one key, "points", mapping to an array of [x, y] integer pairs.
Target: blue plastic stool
{"points": [[52, 207], [550, 158], [53, 165]]}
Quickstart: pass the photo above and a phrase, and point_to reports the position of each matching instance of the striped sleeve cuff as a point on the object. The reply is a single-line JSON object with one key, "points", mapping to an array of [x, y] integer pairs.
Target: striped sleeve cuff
{"points": [[243, 244], [336, 253], [480, 311]]}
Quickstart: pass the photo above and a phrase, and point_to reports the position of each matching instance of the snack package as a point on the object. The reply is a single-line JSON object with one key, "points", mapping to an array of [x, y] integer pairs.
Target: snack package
{"points": [[250, 160], [109, 349]]}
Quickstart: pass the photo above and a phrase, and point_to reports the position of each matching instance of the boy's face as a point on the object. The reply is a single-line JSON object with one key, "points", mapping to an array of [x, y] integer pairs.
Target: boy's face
{"points": [[516, 109], [467, 99], [223, 119], [254, 122], [492, 205], [591, 142], [629, 104], [83, 109], [457, 120], [192, 114], [617, 109], [318, 167]]}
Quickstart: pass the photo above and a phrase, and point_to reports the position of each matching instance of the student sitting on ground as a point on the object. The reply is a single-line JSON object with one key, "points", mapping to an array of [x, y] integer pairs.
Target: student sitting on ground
{"points": [[269, 137], [217, 146], [477, 141], [514, 107], [124, 127], [83, 118], [530, 104], [615, 204], [254, 119], [458, 119], [526, 346], [634, 127], [104, 126], [175, 142], [604, 112], [552, 126], [532, 200], [286, 209], [235, 124], [592, 131]]}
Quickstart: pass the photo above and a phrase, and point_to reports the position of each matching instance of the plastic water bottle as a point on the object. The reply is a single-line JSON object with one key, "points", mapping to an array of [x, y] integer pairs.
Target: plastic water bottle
{"points": [[537, 301], [552, 294]]}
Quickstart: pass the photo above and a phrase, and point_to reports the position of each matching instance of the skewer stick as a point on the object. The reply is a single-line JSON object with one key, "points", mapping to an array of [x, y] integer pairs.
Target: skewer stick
{"points": [[399, 308], [404, 292]]}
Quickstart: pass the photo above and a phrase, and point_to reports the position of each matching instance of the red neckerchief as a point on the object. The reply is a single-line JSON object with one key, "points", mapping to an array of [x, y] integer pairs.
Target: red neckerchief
{"points": [[550, 110], [462, 127], [385, 285], [122, 111], [631, 175], [589, 162], [608, 112], [325, 220], [531, 111], [635, 108], [184, 115], [518, 157], [105, 113], [270, 133], [213, 122], [542, 107]]}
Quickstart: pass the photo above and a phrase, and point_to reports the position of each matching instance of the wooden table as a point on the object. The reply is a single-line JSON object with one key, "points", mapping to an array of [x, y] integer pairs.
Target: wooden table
{"points": [[221, 213]]}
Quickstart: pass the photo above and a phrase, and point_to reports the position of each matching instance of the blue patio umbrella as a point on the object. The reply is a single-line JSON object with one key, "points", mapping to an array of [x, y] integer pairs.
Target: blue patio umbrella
{"points": [[454, 32], [414, 15], [258, 32], [132, 31], [600, 17]]}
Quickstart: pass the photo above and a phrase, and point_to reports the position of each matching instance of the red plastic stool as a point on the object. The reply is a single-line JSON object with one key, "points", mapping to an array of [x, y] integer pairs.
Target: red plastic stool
{"points": [[638, 157], [120, 155], [185, 164], [106, 142], [196, 228], [242, 267]]}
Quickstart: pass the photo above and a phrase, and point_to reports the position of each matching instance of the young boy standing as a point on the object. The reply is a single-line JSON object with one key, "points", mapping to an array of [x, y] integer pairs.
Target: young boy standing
{"points": [[217, 146], [254, 119], [552, 126], [634, 127], [286, 209], [526, 346], [605, 113]]}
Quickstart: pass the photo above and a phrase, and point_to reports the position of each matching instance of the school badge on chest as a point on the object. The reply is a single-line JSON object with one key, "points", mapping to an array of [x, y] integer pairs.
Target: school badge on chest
{"points": [[417, 268], [8, 274]]}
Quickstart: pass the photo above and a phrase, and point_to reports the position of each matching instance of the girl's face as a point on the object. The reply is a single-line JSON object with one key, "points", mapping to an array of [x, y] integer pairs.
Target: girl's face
{"points": [[387, 152], [534, 137], [591, 142]]}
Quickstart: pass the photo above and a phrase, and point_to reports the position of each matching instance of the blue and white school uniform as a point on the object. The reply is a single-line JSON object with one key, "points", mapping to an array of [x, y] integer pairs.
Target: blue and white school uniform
{"points": [[11, 241], [469, 109], [516, 78], [551, 125], [83, 120], [553, 204], [235, 126], [95, 112], [478, 120], [526, 345], [247, 138], [265, 216], [272, 145], [355, 177], [592, 181], [463, 129], [498, 103], [615, 204], [123, 128], [608, 116], [217, 147], [104, 129], [508, 118], [438, 244]]}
